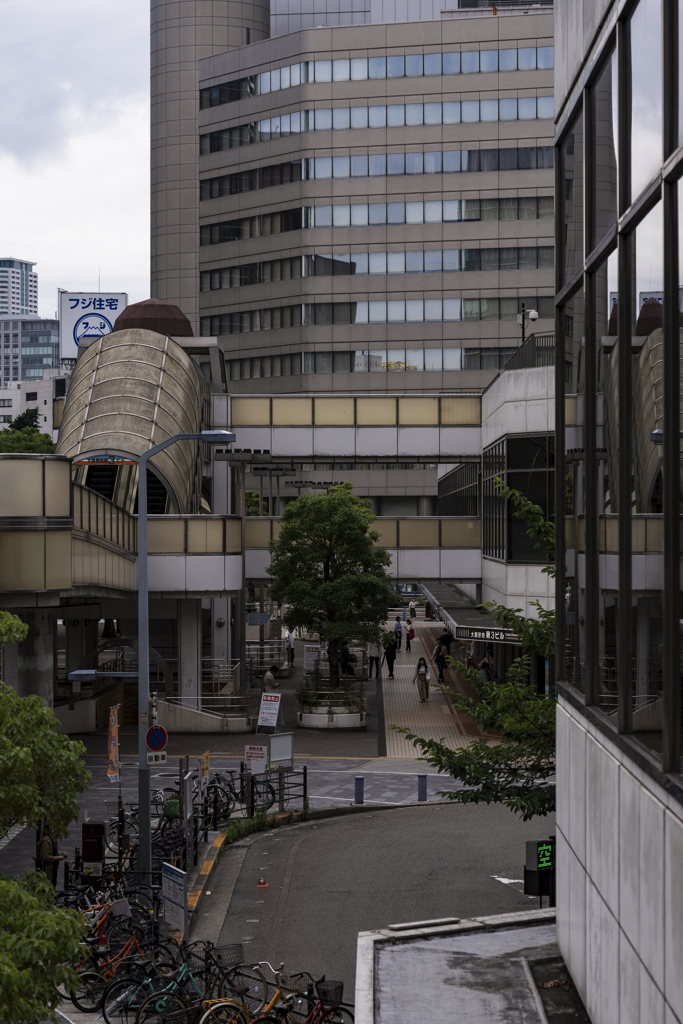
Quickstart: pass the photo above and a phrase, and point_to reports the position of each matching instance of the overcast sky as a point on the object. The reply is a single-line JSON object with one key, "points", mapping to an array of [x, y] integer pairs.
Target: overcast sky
{"points": [[74, 143]]}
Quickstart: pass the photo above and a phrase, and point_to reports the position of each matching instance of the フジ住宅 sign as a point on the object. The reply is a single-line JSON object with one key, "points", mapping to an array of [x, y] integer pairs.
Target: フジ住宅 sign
{"points": [[86, 316]]}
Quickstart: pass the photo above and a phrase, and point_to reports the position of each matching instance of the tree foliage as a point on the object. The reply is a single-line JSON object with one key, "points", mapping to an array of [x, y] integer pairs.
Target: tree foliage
{"points": [[327, 568], [512, 766], [12, 629], [27, 418], [41, 772], [37, 941], [27, 439]]}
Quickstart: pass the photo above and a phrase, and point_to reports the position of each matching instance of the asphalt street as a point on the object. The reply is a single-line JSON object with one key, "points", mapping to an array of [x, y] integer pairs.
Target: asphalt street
{"points": [[329, 879]]}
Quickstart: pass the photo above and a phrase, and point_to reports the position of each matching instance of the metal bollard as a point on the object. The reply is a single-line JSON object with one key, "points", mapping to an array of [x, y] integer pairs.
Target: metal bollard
{"points": [[360, 789], [422, 787]]}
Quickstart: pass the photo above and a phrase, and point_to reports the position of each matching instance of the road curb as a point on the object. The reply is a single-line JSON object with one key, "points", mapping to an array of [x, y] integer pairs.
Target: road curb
{"points": [[207, 869]]}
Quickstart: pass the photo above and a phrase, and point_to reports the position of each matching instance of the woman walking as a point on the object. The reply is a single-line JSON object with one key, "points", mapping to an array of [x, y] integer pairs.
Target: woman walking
{"points": [[410, 633], [421, 677]]}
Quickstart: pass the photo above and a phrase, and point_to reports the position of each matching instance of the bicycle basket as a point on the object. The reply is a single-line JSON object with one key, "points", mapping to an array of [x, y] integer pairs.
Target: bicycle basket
{"points": [[331, 991], [229, 956], [111, 806], [120, 908], [171, 808], [290, 984]]}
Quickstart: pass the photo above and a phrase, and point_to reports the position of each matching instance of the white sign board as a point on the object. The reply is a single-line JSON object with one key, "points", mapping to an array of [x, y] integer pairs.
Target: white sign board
{"points": [[174, 892], [270, 707], [281, 750], [311, 655], [256, 758], [86, 316]]}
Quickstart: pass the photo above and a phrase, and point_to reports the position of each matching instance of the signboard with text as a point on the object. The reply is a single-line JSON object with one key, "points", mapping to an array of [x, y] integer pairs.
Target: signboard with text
{"points": [[311, 656], [256, 758], [86, 316], [174, 892], [501, 636], [269, 710]]}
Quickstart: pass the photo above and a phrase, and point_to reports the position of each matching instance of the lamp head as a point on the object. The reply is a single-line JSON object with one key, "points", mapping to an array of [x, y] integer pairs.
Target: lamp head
{"points": [[217, 436]]}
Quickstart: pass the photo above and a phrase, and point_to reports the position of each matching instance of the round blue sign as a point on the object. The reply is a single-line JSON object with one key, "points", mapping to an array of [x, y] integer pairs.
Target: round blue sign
{"points": [[91, 325], [156, 738]]}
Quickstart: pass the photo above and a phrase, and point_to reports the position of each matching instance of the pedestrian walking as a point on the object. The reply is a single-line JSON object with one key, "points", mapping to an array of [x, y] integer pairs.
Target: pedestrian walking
{"points": [[446, 639], [269, 678], [421, 677], [412, 609], [428, 611], [398, 632], [410, 633], [289, 645], [439, 657], [49, 855], [344, 657], [374, 654], [390, 657]]}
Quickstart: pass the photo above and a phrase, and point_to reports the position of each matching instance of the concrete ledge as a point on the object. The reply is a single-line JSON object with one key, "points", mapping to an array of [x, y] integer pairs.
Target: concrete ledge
{"points": [[206, 871], [336, 720]]}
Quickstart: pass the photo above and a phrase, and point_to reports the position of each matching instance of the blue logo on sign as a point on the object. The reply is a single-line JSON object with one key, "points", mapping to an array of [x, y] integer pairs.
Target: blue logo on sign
{"points": [[90, 326]]}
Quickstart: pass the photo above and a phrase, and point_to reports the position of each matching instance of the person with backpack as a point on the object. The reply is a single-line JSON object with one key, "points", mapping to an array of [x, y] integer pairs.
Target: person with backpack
{"points": [[439, 656], [398, 632], [410, 633]]}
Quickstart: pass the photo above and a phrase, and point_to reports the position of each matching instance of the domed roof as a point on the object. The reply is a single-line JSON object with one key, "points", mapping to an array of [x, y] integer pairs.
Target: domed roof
{"points": [[155, 315]]}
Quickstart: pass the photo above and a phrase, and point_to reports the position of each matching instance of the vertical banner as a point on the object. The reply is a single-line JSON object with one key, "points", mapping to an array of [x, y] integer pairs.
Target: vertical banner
{"points": [[113, 745]]}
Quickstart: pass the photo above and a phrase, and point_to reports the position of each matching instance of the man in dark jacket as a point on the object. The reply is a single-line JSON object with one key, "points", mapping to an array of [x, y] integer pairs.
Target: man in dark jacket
{"points": [[390, 657]]}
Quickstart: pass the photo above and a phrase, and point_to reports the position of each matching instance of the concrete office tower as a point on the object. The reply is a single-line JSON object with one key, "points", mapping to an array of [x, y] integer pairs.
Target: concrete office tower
{"points": [[18, 287], [182, 32]]}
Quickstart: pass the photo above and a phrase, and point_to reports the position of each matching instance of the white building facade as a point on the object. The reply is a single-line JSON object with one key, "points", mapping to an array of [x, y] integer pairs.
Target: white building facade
{"points": [[18, 287]]}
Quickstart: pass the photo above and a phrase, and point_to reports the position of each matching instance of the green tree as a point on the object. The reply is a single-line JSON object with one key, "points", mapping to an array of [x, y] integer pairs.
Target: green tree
{"points": [[27, 418], [27, 439], [37, 941], [327, 567], [513, 766]]}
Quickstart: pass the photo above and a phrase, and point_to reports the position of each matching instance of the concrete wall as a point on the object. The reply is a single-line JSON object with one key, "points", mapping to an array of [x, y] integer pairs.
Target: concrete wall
{"points": [[519, 402], [620, 886], [516, 585]]}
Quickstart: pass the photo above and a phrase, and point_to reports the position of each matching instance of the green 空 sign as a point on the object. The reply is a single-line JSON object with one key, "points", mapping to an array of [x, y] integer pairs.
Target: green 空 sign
{"points": [[540, 855], [544, 852]]}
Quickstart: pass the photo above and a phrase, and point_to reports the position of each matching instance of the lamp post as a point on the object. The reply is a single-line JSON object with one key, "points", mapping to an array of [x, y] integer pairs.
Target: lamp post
{"points": [[144, 793], [523, 317]]}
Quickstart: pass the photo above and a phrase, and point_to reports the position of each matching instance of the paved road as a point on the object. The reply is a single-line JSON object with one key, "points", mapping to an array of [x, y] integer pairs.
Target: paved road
{"points": [[330, 879]]}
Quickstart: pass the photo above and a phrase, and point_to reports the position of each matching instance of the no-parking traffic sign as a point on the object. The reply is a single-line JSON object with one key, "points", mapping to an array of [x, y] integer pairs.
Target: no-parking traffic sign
{"points": [[156, 738]]}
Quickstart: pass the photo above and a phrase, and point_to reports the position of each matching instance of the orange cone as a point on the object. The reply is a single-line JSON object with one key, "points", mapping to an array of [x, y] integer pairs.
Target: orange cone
{"points": [[262, 884]]}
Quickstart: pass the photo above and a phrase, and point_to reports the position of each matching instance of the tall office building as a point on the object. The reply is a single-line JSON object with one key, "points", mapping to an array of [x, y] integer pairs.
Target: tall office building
{"points": [[29, 346], [18, 287], [619, 147]]}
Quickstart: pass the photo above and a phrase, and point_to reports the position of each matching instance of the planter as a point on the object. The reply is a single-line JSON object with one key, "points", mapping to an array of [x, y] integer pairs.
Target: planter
{"points": [[339, 719]]}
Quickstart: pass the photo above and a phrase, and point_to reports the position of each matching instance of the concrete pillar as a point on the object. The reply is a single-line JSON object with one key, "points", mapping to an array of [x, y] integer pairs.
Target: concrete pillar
{"points": [[642, 650], [425, 505], [190, 651], [29, 666], [81, 639]]}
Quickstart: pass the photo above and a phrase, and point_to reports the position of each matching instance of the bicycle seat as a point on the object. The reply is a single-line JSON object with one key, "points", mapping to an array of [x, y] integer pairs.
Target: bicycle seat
{"points": [[79, 888], [92, 940], [171, 975], [239, 990]]}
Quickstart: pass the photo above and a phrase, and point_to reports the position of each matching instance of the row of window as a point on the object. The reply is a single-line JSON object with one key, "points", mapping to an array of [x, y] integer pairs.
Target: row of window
{"points": [[451, 161], [343, 264], [370, 214], [360, 69], [381, 311], [395, 115], [393, 360]]}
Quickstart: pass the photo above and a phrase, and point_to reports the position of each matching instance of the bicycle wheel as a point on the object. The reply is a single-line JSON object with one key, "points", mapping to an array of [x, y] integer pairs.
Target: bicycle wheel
{"points": [[90, 992], [265, 795], [239, 977], [227, 1012], [123, 998], [157, 1007], [337, 1015]]}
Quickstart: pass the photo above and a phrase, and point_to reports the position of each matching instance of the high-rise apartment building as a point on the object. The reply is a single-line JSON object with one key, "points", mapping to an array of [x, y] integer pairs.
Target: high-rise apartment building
{"points": [[28, 347], [18, 287]]}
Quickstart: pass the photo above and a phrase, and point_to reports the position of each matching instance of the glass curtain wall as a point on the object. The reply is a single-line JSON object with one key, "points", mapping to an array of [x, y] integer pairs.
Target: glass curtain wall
{"points": [[619, 169]]}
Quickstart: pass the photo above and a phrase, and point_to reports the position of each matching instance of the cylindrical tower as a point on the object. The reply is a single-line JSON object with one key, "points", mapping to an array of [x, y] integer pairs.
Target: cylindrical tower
{"points": [[183, 31]]}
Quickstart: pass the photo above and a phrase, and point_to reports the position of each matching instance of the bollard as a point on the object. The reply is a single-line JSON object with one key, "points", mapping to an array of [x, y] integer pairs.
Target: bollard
{"points": [[422, 787], [360, 789]]}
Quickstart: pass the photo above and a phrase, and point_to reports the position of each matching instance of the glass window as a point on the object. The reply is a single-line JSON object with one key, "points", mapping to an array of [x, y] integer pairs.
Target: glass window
{"points": [[489, 110], [396, 115], [452, 309], [323, 360], [433, 309], [359, 69], [359, 259], [359, 215], [323, 216], [507, 109], [432, 212], [341, 216], [340, 71], [308, 362], [396, 311], [451, 63], [323, 167], [378, 213], [452, 359], [415, 359], [451, 259], [526, 108], [507, 60], [414, 113], [396, 213], [341, 362], [432, 162], [604, 99], [377, 262], [395, 163], [378, 165], [470, 111], [359, 166], [433, 358], [527, 208], [396, 263], [451, 161], [526, 58], [264, 82], [414, 261], [275, 80], [432, 63], [646, 93], [377, 116], [469, 62], [451, 112], [395, 67], [359, 117], [295, 79], [377, 67], [572, 228], [377, 359], [414, 163], [545, 106], [285, 82], [323, 119], [432, 113], [341, 166], [341, 118], [544, 57], [433, 260], [414, 213], [414, 310], [323, 71], [488, 60], [360, 361], [414, 65], [361, 313], [451, 210]]}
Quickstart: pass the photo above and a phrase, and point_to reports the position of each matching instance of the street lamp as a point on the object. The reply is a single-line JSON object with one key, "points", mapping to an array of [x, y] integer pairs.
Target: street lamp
{"points": [[522, 318], [144, 792]]}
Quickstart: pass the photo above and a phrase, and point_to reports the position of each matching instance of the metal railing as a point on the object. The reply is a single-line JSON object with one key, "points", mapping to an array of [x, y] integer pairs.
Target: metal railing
{"points": [[223, 706]]}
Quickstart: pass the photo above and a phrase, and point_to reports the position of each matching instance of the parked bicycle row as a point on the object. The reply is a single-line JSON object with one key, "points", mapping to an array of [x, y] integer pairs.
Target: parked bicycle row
{"points": [[131, 972]]}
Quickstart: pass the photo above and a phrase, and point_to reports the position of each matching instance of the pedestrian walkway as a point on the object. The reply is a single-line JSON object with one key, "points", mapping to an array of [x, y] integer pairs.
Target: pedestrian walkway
{"points": [[433, 720]]}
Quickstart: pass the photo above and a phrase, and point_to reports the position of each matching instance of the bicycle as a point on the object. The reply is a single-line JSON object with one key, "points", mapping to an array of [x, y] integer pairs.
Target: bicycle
{"points": [[237, 784], [294, 1002]]}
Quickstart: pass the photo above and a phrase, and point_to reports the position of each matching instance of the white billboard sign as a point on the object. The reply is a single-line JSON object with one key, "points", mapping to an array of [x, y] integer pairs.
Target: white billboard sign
{"points": [[86, 316]]}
